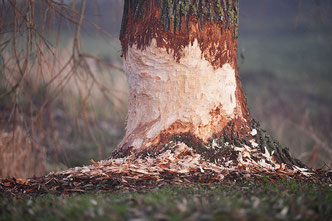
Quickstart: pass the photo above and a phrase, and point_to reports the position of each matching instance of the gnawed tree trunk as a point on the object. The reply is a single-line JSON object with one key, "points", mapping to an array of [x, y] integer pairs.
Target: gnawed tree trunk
{"points": [[180, 57], [188, 120], [180, 60]]}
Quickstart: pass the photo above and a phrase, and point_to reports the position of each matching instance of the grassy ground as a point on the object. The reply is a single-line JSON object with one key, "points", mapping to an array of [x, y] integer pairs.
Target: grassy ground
{"points": [[283, 200], [287, 77], [285, 70]]}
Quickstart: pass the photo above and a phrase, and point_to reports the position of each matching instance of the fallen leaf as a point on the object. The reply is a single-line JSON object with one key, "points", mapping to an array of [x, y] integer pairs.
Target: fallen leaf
{"points": [[22, 181], [94, 162], [7, 184]]}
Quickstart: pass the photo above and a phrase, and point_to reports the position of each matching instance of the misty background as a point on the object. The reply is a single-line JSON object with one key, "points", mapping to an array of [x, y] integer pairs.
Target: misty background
{"points": [[285, 62]]}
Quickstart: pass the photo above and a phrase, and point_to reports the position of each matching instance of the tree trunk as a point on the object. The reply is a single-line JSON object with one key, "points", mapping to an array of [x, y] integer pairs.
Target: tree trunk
{"points": [[188, 120], [180, 58]]}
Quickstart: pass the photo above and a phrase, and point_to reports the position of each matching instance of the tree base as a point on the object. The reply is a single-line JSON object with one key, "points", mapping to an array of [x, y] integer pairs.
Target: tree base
{"points": [[219, 147], [181, 161]]}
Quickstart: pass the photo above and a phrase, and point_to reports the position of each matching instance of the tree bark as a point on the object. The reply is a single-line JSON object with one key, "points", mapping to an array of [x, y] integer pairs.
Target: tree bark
{"points": [[180, 58]]}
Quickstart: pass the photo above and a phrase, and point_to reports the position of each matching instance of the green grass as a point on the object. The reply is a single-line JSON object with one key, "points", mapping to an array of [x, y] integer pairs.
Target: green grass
{"points": [[283, 200]]}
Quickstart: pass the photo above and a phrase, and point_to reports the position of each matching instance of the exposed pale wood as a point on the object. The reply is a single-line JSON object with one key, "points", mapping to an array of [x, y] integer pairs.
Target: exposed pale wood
{"points": [[181, 65], [186, 96]]}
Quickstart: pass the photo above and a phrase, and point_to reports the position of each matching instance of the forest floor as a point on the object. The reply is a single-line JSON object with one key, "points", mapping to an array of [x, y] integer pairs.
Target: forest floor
{"points": [[285, 199]]}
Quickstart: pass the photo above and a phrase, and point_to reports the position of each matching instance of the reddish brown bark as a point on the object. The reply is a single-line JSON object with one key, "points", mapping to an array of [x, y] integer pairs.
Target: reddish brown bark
{"points": [[218, 45], [142, 31]]}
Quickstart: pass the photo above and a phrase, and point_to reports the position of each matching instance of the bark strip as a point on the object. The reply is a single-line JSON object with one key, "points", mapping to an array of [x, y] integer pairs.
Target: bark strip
{"points": [[175, 24]]}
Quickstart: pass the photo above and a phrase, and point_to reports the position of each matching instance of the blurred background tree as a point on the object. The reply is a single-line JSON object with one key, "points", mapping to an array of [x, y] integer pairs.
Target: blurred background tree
{"points": [[63, 93]]}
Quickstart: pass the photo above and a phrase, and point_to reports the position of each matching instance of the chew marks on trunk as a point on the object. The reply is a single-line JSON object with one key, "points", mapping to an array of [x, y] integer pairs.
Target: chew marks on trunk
{"points": [[180, 58]]}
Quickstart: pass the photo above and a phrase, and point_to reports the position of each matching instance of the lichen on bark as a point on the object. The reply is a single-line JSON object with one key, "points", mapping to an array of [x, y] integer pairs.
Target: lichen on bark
{"points": [[175, 25], [173, 13]]}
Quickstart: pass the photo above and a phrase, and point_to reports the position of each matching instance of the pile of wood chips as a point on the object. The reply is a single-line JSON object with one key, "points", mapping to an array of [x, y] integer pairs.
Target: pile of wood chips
{"points": [[179, 164]]}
